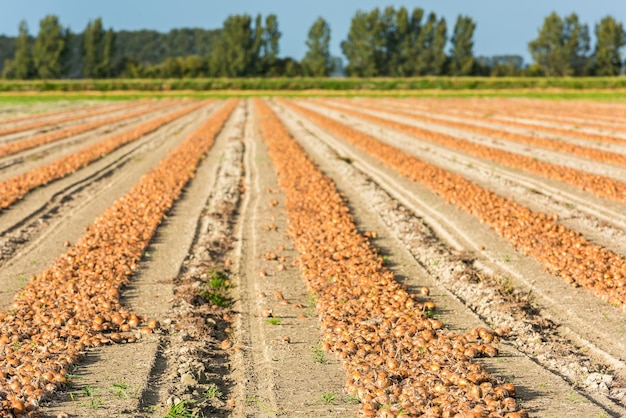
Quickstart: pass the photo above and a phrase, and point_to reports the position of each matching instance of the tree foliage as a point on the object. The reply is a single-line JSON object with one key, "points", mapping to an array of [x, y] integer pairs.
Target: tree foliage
{"points": [[317, 61], [392, 43], [461, 53], [610, 39], [50, 48], [562, 46], [243, 50], [93, 42]]}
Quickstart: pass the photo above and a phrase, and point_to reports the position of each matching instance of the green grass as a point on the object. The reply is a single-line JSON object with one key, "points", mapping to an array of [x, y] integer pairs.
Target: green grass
{"points": [[328, 398], [319, 356], [215, 290], [596, 88], [180, 410]]}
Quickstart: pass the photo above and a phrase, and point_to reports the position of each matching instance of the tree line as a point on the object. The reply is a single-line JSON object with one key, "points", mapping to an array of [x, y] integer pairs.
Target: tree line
{"points": [[386, 42]]}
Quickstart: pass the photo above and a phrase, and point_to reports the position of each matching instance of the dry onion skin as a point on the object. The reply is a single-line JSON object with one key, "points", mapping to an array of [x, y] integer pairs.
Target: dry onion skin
{"points": [[38, 140], [398, 360], [601, 186], [591, 153], [563, 252], [75, 303], [17, 187], [94, 111]]}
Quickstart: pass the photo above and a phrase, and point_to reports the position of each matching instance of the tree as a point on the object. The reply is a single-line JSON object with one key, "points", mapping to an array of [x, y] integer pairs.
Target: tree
{"points": [[610, 39], [231, 57], [242, 49], [317, 61], [561, 46], [360, 47], [93, 38], [23, 67], [461, 54], [432, 39], [50, 46], [271, 37], [105, 67]]}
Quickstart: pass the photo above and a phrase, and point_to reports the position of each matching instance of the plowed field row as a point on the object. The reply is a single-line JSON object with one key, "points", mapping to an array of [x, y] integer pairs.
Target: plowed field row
{"points": [[564, 252], [601, 186], [16, 187], [46, 123], [551, 144], [37, 140], [46, 115], [66, 308], [302, 258], [585, 112]]}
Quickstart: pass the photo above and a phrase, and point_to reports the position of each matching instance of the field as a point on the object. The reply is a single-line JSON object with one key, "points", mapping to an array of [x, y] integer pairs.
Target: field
{"points": [[312, 257]]}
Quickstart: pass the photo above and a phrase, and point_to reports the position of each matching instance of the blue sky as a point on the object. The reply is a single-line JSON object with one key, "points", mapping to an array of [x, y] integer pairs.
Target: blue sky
{"points": [[503, 26]]}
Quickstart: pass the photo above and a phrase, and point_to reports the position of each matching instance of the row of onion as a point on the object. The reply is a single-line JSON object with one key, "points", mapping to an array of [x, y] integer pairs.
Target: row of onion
{"points": [[56, 135], [75, 303], [563, 252], [18, 186], [591, 153], [599, 185], [399, 359]]}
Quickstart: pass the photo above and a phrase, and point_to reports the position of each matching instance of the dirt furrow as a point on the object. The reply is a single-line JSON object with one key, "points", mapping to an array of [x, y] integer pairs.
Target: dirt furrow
{"points": [[46, 138], [585, 110], [37, 123], [15, 188], [576, 306], [73, 108], [75, 301], [27, 160], [281, 366]]}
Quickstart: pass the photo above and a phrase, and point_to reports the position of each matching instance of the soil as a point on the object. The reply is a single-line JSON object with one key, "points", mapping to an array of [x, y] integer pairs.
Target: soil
{"points": [[260, 352]]}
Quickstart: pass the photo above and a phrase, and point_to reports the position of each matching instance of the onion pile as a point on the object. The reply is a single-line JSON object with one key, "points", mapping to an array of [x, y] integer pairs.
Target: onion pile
{"points": [[26, 144], [75, 303], [398, 359], [599, 185], [563, 252], [17, 187]]}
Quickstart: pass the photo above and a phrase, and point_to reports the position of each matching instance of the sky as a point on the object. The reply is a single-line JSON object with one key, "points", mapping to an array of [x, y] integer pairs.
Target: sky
{"points": [[502, 26]]}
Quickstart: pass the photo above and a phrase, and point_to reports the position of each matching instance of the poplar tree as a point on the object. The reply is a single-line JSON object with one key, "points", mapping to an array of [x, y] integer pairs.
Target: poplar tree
{"points": [[561, 46], [610, 39], [23, 67], [360, 47], [50, 47], [317, 61], [271, 38], [461, 54], [93, 38], [105, 67]]}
